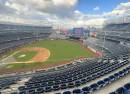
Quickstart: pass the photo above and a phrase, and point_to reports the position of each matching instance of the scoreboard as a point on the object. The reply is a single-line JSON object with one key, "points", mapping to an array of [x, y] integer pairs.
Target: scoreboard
{"points": [[78, 31]]}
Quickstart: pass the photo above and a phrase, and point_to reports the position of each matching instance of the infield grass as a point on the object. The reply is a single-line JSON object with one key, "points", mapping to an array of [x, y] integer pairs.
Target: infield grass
{"points": [[24, 56], [61, 50]]}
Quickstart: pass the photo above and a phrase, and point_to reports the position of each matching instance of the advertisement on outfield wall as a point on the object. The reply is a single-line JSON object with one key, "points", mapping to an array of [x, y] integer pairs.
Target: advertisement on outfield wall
{"points": [[93, 34]]}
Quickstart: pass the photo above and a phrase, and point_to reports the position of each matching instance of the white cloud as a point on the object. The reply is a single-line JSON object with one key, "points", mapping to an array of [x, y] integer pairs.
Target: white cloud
{"points": [[117, 15], [68, 3], [96, 22], [96, 8], [48, 10], [123, 6], [121, 9], [56, 7], [54, 11]]}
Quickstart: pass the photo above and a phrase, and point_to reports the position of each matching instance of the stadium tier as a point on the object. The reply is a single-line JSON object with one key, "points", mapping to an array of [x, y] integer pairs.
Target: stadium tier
{"points": [[122, 90], [97, 75], [115, 36], [118, 27], [77, 75], [110, 48], [12, 36], [19, 28]]}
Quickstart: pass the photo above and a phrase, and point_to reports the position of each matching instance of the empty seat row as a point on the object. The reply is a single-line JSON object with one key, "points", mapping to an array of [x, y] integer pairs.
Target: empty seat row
{"points": [[96, 86], [71, 78], [122, 90]]}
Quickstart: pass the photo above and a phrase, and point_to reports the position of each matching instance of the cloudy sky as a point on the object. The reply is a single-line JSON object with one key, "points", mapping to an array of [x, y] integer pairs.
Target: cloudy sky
{"points": [[70, 12]]}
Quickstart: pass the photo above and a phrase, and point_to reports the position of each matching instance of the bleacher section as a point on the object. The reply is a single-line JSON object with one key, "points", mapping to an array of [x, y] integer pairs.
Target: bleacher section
{"points": [[5, 83], [102, 83], [76, 75], [115, 36], [21, 28], [116, 32], [123, 90], [109, 48], [118, 27], [12, 36]]}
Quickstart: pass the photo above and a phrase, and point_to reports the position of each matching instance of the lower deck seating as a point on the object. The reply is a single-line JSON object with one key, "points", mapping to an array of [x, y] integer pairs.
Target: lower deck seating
{"points": [[122, 90], [72, 77], [111, 48], [5, 83], [9, 41], [102, 83]]}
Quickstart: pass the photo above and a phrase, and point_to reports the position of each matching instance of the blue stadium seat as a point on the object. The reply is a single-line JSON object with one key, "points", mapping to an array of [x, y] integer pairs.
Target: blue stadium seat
{"points": [[77, 91], [66, 92]]}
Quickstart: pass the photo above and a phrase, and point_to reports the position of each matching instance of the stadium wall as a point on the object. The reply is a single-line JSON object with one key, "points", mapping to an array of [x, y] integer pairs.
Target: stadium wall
{"points": [[97, 53]]}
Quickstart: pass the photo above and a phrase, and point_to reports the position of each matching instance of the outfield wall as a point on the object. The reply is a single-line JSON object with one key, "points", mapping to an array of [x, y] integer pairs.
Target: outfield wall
{"points": [[92, 49], [97, 53]]}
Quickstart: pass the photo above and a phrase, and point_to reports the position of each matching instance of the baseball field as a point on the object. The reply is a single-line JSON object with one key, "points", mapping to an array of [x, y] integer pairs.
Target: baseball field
{"points": [[47, 53]]}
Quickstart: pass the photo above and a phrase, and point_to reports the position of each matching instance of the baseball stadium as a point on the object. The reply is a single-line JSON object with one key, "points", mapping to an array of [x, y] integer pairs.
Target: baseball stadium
{"points": [[45, 54], [64, 47]]}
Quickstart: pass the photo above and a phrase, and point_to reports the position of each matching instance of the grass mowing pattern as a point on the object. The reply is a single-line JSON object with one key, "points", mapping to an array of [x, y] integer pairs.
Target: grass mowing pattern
{"points": [[61, 50], [28, 56]]}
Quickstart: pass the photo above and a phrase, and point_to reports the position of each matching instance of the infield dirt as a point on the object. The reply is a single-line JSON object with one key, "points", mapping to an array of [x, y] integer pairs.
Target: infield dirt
{"points": [[42, 53]]}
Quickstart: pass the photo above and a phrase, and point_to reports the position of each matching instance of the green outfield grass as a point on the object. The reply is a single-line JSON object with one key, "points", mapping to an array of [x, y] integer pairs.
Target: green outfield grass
{"points": [[27, 56], [61, 50]]}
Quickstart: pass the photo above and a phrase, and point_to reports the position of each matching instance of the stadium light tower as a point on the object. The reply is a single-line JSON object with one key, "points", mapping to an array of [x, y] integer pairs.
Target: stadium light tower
{"points": [[104, 38], [103, 45]]}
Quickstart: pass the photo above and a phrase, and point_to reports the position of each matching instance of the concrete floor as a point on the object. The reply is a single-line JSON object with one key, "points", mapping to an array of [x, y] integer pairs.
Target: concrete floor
{"points": [[114, 85]]}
